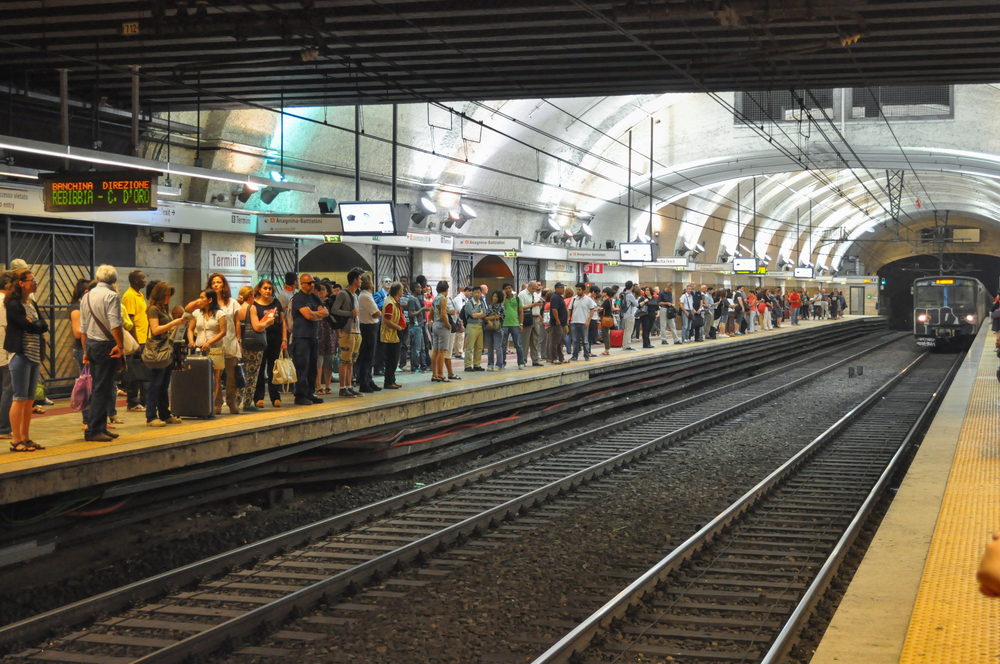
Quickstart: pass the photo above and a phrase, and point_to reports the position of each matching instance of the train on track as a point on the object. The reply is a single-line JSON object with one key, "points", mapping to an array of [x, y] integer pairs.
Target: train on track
{"points": [[948, 310]]}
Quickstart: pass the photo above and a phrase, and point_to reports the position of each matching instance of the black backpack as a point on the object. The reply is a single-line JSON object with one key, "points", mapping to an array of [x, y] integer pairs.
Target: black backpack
{"points": [[340, 322]]}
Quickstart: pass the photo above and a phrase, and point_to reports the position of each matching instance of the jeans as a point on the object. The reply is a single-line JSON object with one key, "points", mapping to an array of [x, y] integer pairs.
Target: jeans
{"points": [[102, 372], [628, 324], [473, 344], [515, 332], [685, 326], [158, 394], [404, 348], [391, 360], [417, 348], [366, 356], [305, 354], [494, 354], [795, 315], [580, 335], [136, 390], [8, 397]]}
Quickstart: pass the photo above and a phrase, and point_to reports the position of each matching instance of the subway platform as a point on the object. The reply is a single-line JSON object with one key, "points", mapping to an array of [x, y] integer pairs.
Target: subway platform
{"points": [[69, 463], [915, 598]]}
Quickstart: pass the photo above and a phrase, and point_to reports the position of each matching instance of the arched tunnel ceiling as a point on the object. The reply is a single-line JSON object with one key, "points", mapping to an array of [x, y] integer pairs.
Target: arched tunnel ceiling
{"points": [[228, 53]]}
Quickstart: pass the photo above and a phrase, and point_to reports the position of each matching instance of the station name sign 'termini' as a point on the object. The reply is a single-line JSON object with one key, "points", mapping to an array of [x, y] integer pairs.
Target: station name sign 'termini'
{"points": [[103, 191]]}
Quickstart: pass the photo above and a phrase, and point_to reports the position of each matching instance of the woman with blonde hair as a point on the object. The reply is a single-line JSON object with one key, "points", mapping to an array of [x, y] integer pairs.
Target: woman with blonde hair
{"points": [[207, 331]]}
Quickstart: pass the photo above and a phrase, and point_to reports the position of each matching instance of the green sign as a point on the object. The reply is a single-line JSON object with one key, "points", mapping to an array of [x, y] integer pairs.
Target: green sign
{"points": [[103, 191], [510, 254], [612, 263], [331, 238]]}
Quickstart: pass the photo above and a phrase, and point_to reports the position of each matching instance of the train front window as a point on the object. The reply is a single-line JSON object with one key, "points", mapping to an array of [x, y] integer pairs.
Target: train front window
{"points": [[961, 296], [929, 297]]}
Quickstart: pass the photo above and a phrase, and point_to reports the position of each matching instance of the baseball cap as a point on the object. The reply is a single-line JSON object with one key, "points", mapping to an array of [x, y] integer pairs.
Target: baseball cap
{"points": [[18, 264]]}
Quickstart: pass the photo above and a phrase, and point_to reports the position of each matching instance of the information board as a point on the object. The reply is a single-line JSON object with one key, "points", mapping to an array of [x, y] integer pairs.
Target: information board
{"points": [[744, 265], [803, 273], [637, 252], [102, 191], [368, 218]]}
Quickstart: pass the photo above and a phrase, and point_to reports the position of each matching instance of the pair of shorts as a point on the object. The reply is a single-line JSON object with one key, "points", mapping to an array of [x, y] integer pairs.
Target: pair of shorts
{"points": [[325, 361], [350, 346], [440, 336], [24, 376]]}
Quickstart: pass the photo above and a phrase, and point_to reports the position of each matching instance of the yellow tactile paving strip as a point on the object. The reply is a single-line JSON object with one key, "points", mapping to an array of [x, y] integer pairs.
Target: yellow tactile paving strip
{"points": [[951, 621]]}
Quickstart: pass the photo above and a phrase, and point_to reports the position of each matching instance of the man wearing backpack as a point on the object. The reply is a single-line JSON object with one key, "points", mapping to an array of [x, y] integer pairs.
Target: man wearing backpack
{"points": [[345, 319]]}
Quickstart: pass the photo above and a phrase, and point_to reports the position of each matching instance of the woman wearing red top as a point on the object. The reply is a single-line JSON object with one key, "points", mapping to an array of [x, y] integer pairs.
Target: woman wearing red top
{"points": [[752, 304]]}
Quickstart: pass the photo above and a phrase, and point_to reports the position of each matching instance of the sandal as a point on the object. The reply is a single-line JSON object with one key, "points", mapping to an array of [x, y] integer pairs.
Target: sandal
{"points": [[38, 410], [435, 379], [19, 447], [33, 446], [454, 378]]}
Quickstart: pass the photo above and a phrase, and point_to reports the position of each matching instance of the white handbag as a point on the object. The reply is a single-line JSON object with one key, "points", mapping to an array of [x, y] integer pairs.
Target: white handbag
{"points": [[284, 371]]}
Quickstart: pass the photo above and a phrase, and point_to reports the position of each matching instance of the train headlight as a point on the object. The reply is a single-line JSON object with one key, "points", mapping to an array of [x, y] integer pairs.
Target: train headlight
{"points": [[971, 318], [923, 318]]}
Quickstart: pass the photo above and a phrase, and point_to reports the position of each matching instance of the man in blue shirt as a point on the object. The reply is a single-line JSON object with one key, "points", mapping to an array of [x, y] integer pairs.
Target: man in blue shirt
{"points": [[307, 311]]}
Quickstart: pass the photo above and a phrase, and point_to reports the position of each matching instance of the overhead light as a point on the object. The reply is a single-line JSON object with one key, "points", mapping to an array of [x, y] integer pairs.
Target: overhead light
{"points": [[425, 207], [746, 250], [277, 176], [327, 206], [165, 190], [644, 237], [18, 172], [585, 227], [268, 194], [554, 223], [122, 161], [688, 245], [467, 211], [700, 248]]}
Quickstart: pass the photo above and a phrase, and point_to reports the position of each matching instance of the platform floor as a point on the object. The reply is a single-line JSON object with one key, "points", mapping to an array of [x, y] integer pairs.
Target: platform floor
{"points": [[915, 597], [71, 463]]}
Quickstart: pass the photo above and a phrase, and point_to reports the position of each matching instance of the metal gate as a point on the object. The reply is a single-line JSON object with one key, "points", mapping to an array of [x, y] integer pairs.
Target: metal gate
{"points": [[58, 255], [527, 270], [461, 271], [392, 263], [857, 303], [274, 257]]}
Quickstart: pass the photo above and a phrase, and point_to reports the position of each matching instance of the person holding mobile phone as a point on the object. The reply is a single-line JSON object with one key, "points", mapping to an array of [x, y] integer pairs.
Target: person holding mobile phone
{"points": [[270, 314]]}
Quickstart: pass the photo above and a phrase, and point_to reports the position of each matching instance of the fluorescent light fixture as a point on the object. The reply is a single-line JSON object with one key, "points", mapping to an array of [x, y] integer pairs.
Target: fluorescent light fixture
{"points": [[18, 172], [870, 229], [122, 161], [586, 229], [746, 250], [164, 190]]}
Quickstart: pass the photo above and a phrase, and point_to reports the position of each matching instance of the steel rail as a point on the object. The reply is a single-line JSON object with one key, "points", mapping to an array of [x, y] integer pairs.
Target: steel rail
{"points": [[579, 638], [789, 634], [37, 627]]}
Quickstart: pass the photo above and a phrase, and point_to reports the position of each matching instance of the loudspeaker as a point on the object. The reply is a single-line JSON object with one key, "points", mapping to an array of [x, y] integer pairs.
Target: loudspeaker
{"points": [[401, 213], [327, 206]]}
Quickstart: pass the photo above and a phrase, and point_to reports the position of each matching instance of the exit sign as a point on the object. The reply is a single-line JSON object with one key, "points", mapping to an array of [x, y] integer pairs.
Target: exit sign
{"points": [[331, 238], [612, 263], [510, 254]]}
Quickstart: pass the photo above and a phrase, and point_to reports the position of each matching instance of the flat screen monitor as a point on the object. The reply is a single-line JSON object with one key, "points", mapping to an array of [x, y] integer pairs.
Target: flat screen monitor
{"points": [[803, 273], [637, 252], [744, 265], [368, 218]]}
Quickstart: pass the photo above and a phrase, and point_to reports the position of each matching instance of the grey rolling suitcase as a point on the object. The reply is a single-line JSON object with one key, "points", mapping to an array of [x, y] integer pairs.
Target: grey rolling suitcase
{"points": [[192, 390]]}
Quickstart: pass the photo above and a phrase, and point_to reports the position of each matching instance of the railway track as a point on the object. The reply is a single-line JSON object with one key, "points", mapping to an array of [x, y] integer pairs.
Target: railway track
{"points": [[380, 452], [741, 588], [295, 570]]}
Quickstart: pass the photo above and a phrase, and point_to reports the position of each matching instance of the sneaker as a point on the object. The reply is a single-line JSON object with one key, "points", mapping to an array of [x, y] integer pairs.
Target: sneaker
{"points": [[49, 402], [173, 420], [135, 409], [521, 366], [354, 393], [394, 386], [664, 343], [302, 401], [477, 369], [156, 423], [469, 369], [677, 343]]}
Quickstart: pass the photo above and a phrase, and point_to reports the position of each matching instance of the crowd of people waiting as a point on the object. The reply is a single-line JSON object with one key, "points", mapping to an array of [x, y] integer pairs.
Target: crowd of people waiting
{"points": [[352, 331]]}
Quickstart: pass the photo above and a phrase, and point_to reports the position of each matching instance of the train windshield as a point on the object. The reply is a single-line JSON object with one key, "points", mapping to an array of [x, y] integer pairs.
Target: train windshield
{"points": [[961, 296], [929, 297]]}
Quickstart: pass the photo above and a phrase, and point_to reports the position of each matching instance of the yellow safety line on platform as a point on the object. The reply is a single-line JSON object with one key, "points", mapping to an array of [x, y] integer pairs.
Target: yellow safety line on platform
{"points": [[952, 622]]}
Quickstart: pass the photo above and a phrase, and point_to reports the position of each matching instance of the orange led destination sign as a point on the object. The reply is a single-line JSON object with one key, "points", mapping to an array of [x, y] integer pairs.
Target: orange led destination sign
{"points": [[102, 191], [945, 281]]}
